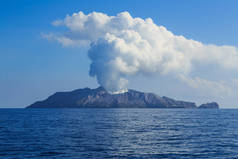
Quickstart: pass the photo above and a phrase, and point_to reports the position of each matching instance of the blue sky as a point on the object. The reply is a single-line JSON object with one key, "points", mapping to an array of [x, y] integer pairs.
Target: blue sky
{"points": [[32, 68]]}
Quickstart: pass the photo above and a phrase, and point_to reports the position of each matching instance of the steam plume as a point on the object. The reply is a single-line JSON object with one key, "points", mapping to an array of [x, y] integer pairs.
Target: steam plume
{"points": [[121, 46]]}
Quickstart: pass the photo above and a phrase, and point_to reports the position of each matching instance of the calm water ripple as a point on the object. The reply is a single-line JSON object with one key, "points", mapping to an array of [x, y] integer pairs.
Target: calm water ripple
{"points": [[118, 133]]}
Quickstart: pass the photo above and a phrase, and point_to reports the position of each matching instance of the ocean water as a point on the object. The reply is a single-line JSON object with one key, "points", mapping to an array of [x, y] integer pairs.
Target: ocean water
{"points": [[118, 133]]}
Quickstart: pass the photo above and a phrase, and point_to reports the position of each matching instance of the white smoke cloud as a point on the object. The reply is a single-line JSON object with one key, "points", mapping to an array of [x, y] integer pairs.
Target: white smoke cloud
{"points": [[120, 46]]}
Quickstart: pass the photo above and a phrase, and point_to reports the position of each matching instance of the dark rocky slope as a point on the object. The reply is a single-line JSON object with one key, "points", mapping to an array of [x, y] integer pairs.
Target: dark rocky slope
{"points": [[100, 98]]}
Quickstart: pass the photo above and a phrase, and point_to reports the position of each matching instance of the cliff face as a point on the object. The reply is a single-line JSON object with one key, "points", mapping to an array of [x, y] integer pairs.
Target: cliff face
{"points": [[100, 98]]}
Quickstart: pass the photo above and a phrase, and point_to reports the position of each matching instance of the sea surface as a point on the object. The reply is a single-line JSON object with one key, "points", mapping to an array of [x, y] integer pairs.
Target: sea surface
{"points": [[118, 133]]}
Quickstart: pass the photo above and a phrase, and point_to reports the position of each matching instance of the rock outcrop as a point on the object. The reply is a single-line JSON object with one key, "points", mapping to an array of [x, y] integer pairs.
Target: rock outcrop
{"points": [[212, 105]]}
